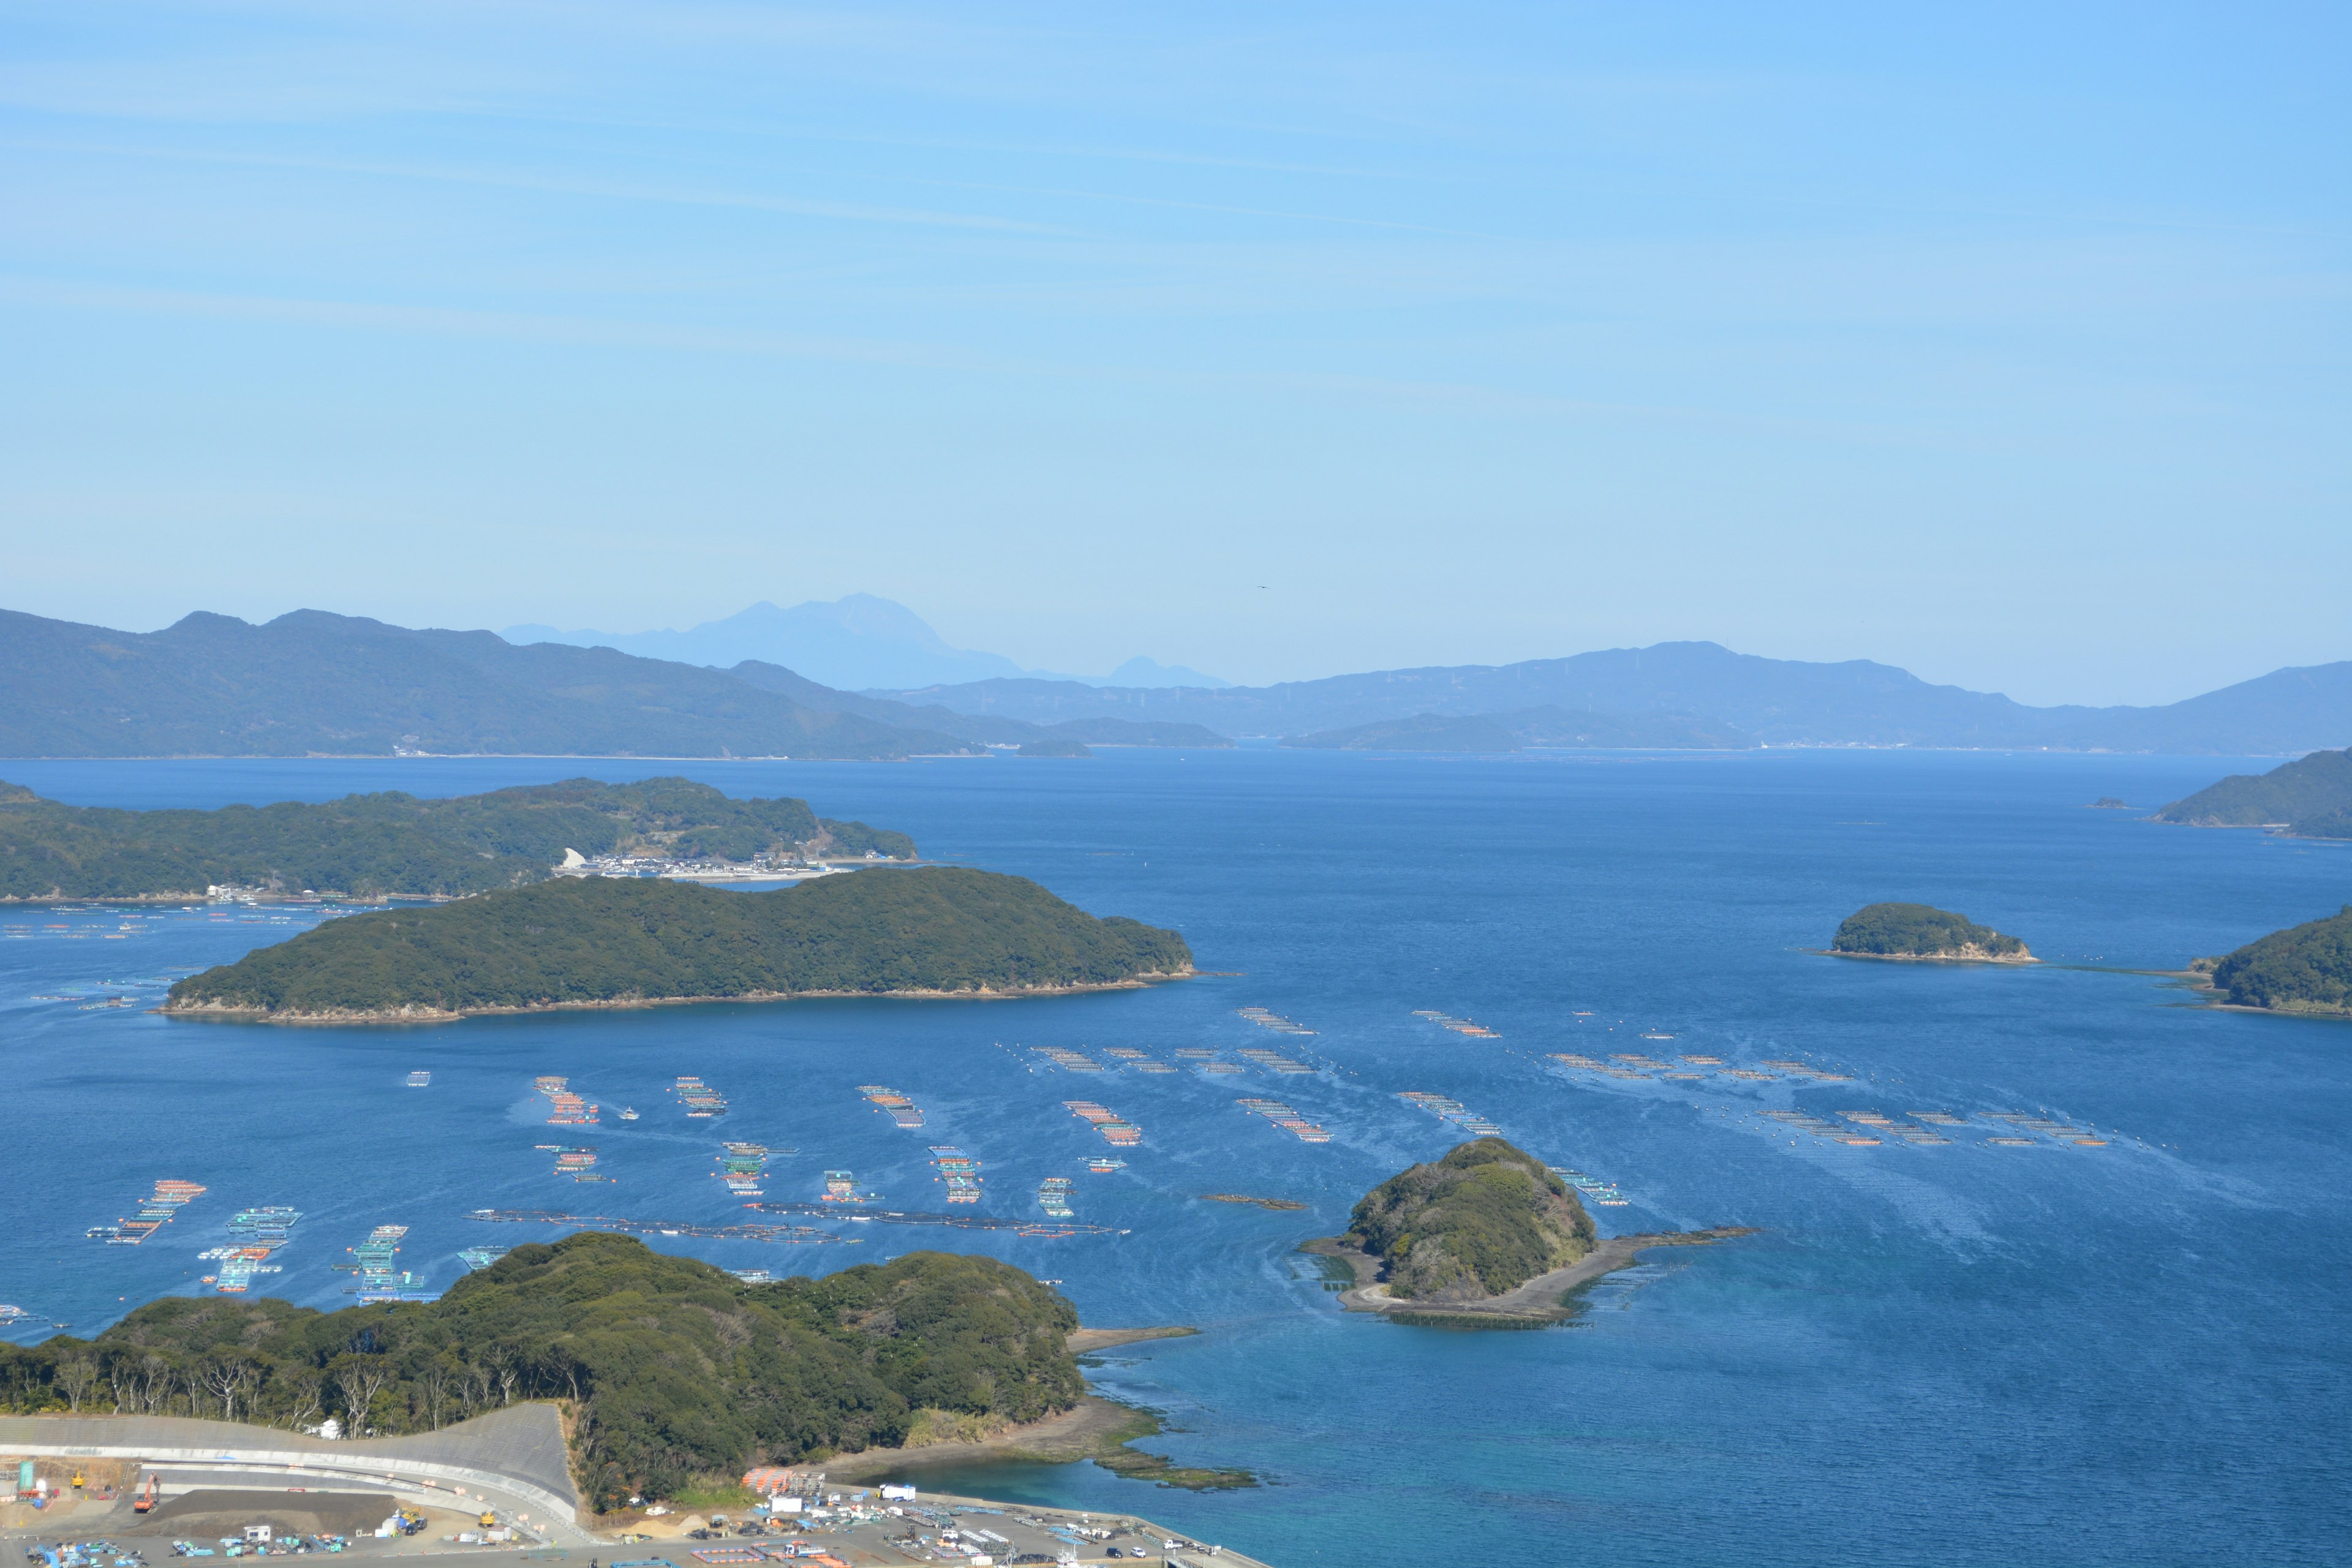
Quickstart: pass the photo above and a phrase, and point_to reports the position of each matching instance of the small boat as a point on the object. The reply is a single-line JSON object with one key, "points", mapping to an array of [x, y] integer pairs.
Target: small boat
{"points": [[627, 1114]]}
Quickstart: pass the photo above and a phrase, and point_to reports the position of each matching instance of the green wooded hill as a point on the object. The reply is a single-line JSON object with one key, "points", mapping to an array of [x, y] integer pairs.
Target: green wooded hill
{"points": [[1484, 1219], [1921, 931], [370, 845], [580, 940], [310, 683], [2313, 795], [679, 1370], [2304, 969]]}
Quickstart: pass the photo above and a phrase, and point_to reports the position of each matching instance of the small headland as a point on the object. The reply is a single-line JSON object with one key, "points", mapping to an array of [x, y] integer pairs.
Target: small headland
{"points": [[1921, 933], [2304, 970]]}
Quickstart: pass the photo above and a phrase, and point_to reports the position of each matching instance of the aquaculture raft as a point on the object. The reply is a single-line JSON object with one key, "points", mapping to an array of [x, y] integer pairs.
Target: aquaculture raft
{"points": [[565, 1108], [1452, 1110], [1457, 1025], [1267, 1019], [899, 1109], [371, 1260], [1119, 1134], [959, 1171], [258, 1231], [698, 1098], [575, 1161], [741, 1166], [157, 1211], [1289, 1120], [948, 1221]]}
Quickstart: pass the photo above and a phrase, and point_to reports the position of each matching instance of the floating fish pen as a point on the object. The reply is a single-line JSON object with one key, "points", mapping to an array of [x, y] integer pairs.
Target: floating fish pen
{"points": [[1591, 1188], [1452, 1110], [1115, 1131], [741, 1166], [698, 1098], [575, 1161], [1054, 1197], [1068, 1060], [371, 1260], [1289, 1120], [477, 1259], [1457, 1025], [1272, 1061], [420, 1079], [258, 1231], [565, 1108], [157, 1211], [1264, 1018], [841, 1187], [897, 1106], [1104, 1164], [781, 1235], [959, 1171], [1056, 1229], [752, 1276], [12, 1318]]}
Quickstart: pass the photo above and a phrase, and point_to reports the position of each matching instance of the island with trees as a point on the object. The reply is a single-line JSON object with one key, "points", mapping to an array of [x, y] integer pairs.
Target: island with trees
{"points": [[2310, 797], [1487, 1234], [616, 942], [2304, 969], [1921, 932], [369, 845]]}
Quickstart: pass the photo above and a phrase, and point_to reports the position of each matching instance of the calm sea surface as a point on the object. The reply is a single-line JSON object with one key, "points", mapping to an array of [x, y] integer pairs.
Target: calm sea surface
{"points": [[2139, 1353]]}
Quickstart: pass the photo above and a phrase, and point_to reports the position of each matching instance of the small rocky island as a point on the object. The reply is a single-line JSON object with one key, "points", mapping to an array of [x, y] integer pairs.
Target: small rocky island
{"points": [[1486, 1235], [2304, 969], [600, 942], [1920, 932]]}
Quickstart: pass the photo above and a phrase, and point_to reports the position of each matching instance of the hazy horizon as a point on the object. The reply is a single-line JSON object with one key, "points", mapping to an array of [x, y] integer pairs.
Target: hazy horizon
{"points": [[2005, 347]]}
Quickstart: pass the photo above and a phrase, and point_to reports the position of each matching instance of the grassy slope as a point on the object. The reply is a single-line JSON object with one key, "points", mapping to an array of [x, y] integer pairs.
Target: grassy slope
{"points": [[598, 939]]}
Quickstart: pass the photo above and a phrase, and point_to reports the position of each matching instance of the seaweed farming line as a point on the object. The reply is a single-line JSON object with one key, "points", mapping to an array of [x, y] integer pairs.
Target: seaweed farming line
{"points": [[1633, 1065], [1266, 1018], [1447, 1021], [1273, 1061], [951, 1221], [1066, 1059], [898, 1108], [1115, 1131], [1286, 1119], [783, 1235], [157, 1210], [1132, 1060], [1870, 1128], [1452, 1110]]}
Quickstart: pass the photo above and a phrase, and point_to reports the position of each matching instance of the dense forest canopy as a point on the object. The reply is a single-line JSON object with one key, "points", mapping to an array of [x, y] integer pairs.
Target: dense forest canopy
{"points": [[679, 1370], [590, 940], [2313, 795], [1484, 1219], [368, 844], [1920, 931], [2304, 969]]}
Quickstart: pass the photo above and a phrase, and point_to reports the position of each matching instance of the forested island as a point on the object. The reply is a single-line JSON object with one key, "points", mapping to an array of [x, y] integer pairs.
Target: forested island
{"points": [[2304, 969], [677, 1372], [604, 942], [2310, 797], [1922, 931], [368, 845]]}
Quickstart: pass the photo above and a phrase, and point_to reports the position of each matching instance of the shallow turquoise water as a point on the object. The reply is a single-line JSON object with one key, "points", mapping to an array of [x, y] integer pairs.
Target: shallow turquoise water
{"points": [[2133, 1354]]}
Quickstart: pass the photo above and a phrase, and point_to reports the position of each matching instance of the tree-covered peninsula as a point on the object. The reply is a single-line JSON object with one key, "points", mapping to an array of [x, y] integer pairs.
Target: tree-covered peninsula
{"points": [[2303, 968], [2310, 797], [596, 940], [1484, 1220], [676, 1371], [370, 845], [1922, 931]]}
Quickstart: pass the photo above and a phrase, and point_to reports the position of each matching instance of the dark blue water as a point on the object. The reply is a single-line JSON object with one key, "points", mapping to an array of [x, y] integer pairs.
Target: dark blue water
{"points": [[2128, 1354]]}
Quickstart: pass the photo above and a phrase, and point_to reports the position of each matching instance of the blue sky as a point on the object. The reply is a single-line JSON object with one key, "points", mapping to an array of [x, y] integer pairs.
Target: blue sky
{"points": [[2007, 343]]}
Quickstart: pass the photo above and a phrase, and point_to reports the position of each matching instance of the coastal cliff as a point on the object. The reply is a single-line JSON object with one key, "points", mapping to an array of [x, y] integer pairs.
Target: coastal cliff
{"points": [[605, 942]]}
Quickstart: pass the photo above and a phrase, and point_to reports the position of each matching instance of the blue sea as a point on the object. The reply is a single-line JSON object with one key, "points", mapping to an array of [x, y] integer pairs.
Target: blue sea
{"points": [[1961, 1352]]}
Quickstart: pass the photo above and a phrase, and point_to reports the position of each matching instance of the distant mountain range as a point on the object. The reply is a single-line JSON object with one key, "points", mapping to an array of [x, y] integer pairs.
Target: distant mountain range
{"points": [[853, 643], [311, 683], [1738, 699]]}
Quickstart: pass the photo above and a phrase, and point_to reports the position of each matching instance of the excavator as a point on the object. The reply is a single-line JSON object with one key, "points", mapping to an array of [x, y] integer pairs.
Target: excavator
{"points": [[145, 1502]]}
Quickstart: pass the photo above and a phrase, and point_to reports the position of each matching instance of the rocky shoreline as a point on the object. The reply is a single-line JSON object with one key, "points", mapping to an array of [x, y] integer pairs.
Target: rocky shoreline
{"points": [[1534, 1304]]}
